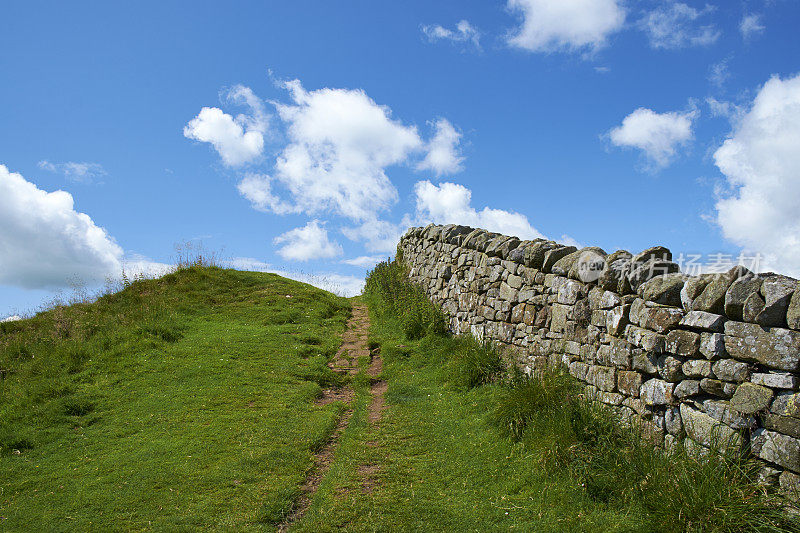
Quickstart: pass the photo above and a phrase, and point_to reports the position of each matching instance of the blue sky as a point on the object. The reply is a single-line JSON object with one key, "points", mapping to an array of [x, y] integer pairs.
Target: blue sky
{"points": [[305, 136]]}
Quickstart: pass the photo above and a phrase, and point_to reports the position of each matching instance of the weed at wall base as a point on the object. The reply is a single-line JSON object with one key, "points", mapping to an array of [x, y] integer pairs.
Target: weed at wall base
{"points": [[389, 293]]}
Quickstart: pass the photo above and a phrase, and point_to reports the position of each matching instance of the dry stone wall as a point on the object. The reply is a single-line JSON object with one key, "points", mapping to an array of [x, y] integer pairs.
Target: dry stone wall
{"points": [[703, 360]]}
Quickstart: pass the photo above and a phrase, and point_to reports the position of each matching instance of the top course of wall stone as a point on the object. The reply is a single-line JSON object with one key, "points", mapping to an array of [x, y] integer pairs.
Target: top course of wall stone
{"points": [[702, 359]]}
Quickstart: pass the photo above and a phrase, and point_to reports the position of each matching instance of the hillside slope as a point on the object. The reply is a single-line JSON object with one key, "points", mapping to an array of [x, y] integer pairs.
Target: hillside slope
{"points": [[180, 403]]}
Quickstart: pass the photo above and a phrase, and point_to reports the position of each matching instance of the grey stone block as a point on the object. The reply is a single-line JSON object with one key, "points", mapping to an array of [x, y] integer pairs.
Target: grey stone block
{"points": [[707, 431], [731, 370], [750, 398], [776, 448], [683, 343], [776, 348], [703, 321], [660, 319], [712, 345], [657, 392], [775, 380], [697, 368]]}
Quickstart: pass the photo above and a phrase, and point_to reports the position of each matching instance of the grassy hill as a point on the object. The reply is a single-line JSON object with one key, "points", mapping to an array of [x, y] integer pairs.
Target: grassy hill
{"points": [[181, 403]]}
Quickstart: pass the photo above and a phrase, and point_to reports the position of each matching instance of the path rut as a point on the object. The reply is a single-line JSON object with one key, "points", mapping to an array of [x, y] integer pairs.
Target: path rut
{"points": [[354, 346]]}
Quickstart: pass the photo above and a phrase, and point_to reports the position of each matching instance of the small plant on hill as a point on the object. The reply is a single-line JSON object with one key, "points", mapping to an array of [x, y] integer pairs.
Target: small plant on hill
{"points": [[190, 254]]}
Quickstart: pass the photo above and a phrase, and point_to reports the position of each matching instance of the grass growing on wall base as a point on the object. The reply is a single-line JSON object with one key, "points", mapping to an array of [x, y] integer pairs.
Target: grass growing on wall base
{"points": [[522, 452], [618, 465], [392, 296]]}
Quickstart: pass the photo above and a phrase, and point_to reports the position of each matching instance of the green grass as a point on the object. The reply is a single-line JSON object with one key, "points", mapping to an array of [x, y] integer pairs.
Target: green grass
{"points": [[520, 453], [177, 404], [443, 465]]}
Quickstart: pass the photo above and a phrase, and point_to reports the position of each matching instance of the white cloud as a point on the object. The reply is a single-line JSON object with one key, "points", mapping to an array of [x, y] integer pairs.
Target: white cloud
{"points": [[718, 74], [12, 318], [340, 145], [725, 109], [761, 163], [135, 265], [238, 140], [365, 261], [257, 188], [309, 242], [378, 235], [258, 119], [235, 145], [449, 203], [751, 25], [570, 241], [464, 32], [45, 243], [249, 264], [658, 135], [336, 283], [80, 172], [673, 26], [443, 155], [571, 25]]}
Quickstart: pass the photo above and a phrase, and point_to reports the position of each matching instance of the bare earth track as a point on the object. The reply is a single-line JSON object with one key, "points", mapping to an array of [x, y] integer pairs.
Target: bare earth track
{"points": [[345, 362]]}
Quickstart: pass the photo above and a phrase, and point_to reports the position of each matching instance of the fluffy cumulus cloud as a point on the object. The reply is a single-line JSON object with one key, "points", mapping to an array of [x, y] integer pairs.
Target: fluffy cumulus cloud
{"points": [[761, 163], [238, 140], [443, 155], [464, 32], [45, 242], [751, 25], [675, 25], [306, 243], [340, 145], [450, 203], [657, 135], [572, 25], [80, 172]]}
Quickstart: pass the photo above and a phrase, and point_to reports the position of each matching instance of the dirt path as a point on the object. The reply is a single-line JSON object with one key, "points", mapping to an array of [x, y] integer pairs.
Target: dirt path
{"points": [[354, 346], [368, 472], [377, 386]]}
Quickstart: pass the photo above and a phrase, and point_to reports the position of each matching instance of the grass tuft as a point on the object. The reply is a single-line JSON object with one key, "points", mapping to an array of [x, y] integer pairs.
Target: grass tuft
{"points": [[523, 399], [475, 363], [390, 294]]}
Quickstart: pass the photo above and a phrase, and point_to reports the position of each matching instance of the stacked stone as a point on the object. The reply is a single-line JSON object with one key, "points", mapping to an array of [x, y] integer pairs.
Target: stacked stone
{"points": [[704, 361]]}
